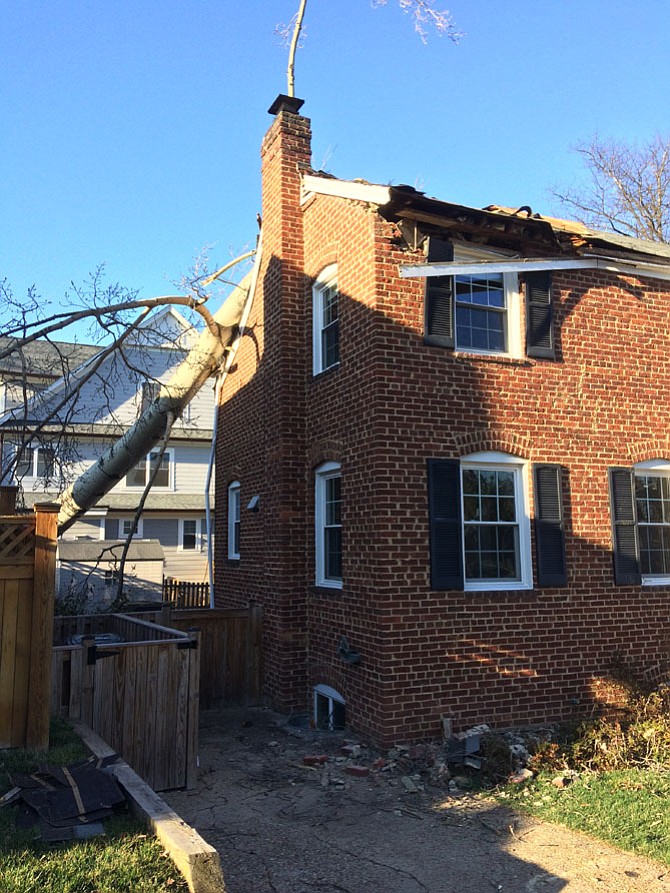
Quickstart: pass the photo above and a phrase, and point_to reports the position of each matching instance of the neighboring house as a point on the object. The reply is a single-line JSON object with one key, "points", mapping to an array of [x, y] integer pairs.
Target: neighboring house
{"points": [[170, 537], [451, 495]]}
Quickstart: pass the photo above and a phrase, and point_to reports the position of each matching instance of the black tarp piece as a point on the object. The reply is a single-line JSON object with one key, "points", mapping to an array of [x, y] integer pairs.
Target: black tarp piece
{"points": [[66, 802]]}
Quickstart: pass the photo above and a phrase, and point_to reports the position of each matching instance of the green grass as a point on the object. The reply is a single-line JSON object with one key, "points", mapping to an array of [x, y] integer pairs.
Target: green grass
{"points": [[627, 807], [125, 860]]}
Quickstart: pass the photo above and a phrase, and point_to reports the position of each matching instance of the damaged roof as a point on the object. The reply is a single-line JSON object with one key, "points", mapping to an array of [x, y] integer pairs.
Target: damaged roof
{"points": [[520, 230]]}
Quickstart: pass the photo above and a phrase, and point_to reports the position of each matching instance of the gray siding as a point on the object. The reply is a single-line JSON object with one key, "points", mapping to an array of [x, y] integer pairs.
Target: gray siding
{"points": [[166, 530]]}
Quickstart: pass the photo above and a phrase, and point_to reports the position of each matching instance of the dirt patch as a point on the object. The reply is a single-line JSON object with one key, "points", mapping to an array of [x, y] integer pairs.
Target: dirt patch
{"points": [[282, 824]]}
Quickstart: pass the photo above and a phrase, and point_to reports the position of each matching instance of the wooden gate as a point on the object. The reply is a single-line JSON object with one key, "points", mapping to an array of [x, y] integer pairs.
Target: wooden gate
{"points": [[139, 694], [27, 575]]}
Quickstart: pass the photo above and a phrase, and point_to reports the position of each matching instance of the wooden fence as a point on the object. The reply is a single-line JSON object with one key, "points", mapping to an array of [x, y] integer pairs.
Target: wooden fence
{"points": [[231, 660], [27, 579], [139, 694], [185, 594]]}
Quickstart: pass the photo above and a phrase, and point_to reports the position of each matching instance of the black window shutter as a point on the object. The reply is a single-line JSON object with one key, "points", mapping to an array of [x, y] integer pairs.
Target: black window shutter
{"points": [[549, 526], [446, 544], [440, 297], [624, 528], [539, 315]]}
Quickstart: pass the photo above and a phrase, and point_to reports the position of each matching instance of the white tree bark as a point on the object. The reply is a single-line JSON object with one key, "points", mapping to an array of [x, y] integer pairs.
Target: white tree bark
{"points": [[202, 361]]}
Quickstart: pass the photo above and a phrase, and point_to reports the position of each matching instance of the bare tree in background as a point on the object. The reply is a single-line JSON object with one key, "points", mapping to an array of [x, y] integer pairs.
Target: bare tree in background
{"points": [[627, 190]]}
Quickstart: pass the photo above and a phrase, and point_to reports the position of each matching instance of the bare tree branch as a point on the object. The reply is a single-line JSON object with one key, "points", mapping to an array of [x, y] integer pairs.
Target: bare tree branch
{"points": [[422, 12], [627, 188]]}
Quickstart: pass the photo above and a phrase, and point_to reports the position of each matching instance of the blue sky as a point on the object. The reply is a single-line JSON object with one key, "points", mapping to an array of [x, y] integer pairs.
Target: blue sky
{"points": [[130, 131]]}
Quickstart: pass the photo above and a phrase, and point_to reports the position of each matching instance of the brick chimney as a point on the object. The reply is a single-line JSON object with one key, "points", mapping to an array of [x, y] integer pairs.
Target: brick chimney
{"points": [[286, 154]]}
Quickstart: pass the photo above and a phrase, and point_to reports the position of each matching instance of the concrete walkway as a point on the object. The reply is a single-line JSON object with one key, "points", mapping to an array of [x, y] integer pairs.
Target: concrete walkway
{"points": [[281, 826]]}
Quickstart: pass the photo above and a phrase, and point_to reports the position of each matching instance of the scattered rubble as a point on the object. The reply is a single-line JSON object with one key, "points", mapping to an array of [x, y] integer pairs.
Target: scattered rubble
{"points": [[451, 765]]}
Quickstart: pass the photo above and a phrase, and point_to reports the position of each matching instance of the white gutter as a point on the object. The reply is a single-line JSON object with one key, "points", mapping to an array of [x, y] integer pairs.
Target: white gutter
{"points": [[221, 377], [610, 265]]}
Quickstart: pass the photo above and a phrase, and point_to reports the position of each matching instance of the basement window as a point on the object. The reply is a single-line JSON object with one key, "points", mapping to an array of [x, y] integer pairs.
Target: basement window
{"points": [[329, 710]]}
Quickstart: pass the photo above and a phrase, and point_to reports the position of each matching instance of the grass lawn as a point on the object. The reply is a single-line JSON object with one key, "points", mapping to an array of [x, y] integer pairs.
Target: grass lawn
{"points": [[125, 860], [627, 808]]}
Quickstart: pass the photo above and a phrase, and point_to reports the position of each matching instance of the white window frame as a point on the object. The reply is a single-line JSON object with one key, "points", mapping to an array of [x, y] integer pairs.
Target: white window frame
{"points": [[513, 306], [198, 535], [169, 454], [495, 461], [34, 460], [332, 696], [651, 468], [323, 473], [138, 534], [324, 281], [234, 519]]}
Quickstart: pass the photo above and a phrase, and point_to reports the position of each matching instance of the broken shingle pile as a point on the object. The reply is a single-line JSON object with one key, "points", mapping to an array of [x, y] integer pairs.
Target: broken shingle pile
{"points": [[66, 802]]}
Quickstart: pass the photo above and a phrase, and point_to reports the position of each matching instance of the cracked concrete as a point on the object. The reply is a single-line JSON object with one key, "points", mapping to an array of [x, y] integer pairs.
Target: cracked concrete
{"points": [[283, 827]]}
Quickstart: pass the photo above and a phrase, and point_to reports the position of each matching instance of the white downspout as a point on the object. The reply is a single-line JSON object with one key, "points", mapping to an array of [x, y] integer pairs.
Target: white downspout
{"points": [[221, 377]]}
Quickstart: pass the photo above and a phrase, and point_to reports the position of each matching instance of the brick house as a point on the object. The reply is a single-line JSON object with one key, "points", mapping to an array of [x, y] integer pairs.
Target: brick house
{"points": [[445, 452]]}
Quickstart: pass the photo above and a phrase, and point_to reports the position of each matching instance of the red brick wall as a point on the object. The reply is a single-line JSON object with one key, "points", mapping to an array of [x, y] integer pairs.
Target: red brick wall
{"points": [[500, 657]]}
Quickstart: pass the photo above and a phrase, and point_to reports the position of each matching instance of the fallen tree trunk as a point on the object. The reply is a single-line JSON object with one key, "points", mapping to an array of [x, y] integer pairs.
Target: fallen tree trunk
{"points": [[203, 361]]}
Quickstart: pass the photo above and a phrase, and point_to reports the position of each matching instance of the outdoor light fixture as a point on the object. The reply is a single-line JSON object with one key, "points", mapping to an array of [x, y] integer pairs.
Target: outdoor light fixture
{"points": [[347, 653], [254, 504]]}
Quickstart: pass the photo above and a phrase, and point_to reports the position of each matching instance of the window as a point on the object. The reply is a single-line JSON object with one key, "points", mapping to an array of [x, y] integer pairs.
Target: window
{"points": [[329, 710], [640, 504], [150, 392], [481, 312], [189, 539], [234, 520], [477, 314], [326, 324], [38, 462], [140, 474], [126, 525], [480, 524], [328, 523], [652, 505]]}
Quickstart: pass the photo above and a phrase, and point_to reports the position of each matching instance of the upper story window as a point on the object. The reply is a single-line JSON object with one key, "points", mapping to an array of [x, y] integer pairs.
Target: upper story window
{"points": [[482, 312], [234, 520], [325, 321], [140, 474], [477, 314], [150, 392], [482, 304], [328, 525], [38, 462]]}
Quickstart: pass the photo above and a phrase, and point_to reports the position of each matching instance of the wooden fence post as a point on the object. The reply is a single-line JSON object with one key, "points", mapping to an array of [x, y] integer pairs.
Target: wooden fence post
{"points": [[8, 499], [193, 709], [44, 584]]}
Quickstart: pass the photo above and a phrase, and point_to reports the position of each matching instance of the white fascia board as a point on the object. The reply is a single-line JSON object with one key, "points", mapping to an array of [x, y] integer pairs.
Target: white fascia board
{"points": [[360, 192], [610, 265]]}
